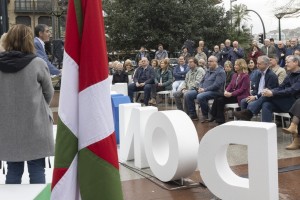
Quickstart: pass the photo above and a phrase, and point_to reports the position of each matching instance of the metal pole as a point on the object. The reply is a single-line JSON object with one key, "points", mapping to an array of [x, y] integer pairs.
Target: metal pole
{"points": [[279, 29], [231, 15], [262, 22], [4, 16]]}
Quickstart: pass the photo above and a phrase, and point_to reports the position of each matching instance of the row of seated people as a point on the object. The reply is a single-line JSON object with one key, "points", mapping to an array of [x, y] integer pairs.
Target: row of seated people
{"points": [[271, 91], [274, 98]]}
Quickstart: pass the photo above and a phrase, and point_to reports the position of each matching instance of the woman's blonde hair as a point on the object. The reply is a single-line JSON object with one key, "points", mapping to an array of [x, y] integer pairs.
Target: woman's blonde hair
{"points": [[243, 65], [19, 38]]}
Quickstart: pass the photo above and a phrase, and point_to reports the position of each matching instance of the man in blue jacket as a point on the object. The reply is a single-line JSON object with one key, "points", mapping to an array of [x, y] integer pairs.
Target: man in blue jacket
{"points": [[211, 85], [179, 73], [42, 35]]}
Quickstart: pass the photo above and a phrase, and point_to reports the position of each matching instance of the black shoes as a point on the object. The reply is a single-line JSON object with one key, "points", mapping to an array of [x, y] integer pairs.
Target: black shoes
{"points": [[194, 117], [245, 115]]}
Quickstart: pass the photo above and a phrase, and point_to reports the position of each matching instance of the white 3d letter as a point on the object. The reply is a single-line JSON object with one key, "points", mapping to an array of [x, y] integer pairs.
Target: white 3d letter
{"points": [[261, 139], [126, 125], [171, 145]]}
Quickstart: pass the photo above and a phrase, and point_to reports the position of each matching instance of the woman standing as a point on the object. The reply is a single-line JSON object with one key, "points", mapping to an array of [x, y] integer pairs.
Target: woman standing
{"points": [[238, 88], [26, 119]]}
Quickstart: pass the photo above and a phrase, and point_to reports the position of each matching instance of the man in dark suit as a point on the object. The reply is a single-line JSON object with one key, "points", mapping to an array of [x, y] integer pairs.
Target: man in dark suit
{"points": [[42, 35], [142, 81], [266, 79]]}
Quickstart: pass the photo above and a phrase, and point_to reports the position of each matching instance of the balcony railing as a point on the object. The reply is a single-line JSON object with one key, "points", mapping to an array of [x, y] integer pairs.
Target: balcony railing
{"points": [[32, 6]]}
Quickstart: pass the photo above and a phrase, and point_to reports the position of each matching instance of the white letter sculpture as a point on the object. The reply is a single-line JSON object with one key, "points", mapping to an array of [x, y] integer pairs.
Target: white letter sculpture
{"points": [[133, 119], [261, 139], [171, 145]]}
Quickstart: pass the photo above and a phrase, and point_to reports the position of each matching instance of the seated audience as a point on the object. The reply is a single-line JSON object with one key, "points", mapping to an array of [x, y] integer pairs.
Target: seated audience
{"points": [[179, 73], [279, 71], [128, 67], [294, 128], [142, 80], [238, 89], [281, 98], [120, 76], [254, 53], [229, 72], [162, 81], [190, 84], [253, 73], [211, 85]]}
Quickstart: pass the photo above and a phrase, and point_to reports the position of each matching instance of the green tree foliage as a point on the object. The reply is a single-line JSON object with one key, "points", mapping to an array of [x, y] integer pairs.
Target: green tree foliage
{"points": [[239, 14], [132, 23]]}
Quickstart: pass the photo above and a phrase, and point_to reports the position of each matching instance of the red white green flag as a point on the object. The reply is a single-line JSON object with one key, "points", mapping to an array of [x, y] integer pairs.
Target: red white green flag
{"points": [[86, 161]]}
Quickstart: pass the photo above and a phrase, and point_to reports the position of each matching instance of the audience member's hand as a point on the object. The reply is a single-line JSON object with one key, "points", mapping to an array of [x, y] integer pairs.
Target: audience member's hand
{"points": [[200, 90], [142, 84], [267, 93], [137, 84], [227, 94], [250, 99]]}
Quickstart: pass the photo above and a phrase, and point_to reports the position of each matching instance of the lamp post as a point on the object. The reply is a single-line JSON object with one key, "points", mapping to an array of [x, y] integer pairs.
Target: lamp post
{"points": [[279, 16], [251, 26], [58, 10], [262, 22], [231, 1]]}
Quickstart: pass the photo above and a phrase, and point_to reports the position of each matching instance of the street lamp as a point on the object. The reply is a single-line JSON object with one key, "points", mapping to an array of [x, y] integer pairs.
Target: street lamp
{"points": [[231, 1], [279, 16], [262, 22], [251, 26], [58, 10]]}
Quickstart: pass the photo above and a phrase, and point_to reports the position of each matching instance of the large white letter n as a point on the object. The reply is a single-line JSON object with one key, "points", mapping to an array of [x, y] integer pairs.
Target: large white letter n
{"points": [[261, 139]]}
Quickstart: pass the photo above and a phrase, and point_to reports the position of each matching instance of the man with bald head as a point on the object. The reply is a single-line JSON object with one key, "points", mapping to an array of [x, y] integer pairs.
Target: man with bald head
{"points": [[211, 85], [235, 53]]}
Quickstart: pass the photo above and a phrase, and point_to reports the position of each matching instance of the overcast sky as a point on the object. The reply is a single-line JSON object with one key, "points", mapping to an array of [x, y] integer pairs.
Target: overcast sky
{"points": [[265, 8]]}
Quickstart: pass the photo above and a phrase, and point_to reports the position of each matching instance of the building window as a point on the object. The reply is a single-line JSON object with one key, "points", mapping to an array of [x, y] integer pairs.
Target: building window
{"points": [[26, 20], [45, 20]]}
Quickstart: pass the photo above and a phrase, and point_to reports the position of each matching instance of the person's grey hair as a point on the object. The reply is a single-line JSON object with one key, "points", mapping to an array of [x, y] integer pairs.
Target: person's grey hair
{"points": [[214, 57], [265, 59], [294, 58]]}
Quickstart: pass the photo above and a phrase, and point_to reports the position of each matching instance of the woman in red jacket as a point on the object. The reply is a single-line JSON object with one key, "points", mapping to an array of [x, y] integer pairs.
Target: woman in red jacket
{"points": [[238, 88], [254, 53]]}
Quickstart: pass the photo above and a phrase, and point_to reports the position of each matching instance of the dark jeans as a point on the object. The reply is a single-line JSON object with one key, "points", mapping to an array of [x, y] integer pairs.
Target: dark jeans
{"points": [[217, 109], [203, 99], [155, 88], [277, 104], [147, 91], [36, 170]]}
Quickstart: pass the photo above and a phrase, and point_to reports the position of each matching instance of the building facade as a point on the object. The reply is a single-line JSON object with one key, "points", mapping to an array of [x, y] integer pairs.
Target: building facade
{"points": [[33, 12]]}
